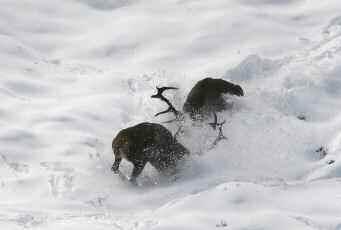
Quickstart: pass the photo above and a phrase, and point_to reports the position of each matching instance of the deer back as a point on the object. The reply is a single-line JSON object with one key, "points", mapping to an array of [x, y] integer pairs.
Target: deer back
{"points": [[137, 142], [206, 95]]}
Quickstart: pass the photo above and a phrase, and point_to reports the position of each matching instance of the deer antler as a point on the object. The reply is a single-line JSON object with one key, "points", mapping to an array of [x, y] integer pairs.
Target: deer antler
{"points": [[216, 125], [178, 131], [170, 106]]}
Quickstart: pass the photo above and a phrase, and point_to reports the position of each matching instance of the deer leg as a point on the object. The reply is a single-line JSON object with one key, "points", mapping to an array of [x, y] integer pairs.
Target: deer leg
{"points": [[138, 167], [116, 164]]}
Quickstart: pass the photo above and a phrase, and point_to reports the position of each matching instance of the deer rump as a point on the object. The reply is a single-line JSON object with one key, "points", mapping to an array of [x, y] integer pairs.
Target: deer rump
{"points": [[206, 97], [147, 142]]}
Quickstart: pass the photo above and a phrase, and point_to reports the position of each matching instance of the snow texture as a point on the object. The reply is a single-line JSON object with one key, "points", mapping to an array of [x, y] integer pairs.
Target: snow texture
{"points": [[75, 72]]}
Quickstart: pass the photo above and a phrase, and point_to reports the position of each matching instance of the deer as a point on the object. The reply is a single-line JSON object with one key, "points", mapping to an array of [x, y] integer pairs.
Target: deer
{"points": [[208, 88], [206, 97], [153, 143], [147, 142]]}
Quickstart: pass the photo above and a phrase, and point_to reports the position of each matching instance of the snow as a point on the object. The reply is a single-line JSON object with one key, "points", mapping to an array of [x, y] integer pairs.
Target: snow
{"points": [[74, 73]]}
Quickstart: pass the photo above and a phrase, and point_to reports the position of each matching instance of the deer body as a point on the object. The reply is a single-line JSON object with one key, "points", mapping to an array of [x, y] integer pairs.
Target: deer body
{"points": [[206, 97], [147, 142]]}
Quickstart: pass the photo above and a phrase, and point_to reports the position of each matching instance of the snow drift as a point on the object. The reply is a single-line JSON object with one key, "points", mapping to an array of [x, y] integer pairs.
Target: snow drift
{"points": [[73, 73]]}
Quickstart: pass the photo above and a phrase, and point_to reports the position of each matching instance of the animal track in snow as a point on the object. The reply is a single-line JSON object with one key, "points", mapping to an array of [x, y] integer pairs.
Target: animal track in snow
{"points": [[29, 221], [97, 202], [56, 166], [308, 222], [15, 166], [61, 179], [60, 184]]}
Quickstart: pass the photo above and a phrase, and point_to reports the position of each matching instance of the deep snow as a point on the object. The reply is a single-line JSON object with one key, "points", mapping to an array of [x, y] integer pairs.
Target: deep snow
{"points": [[73, 73]]}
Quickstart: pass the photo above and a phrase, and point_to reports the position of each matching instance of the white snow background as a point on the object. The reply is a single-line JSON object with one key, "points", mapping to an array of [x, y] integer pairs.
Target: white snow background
{"points": [[75, 72]]}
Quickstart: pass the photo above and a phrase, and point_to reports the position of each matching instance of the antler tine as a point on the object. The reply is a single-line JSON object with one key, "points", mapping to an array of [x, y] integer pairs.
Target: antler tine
{"points": [[220, 125], [160, 90], [221, 135], [170, 109], [178, 131], [214, 125], [159, 95]]}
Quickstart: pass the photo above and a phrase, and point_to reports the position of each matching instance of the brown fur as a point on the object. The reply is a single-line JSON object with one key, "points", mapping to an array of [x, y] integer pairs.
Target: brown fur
{"points": [[206, 97], [147, 142]]}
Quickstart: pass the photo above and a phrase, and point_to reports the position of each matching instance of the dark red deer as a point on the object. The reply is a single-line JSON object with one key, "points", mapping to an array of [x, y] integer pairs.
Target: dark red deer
{"points": [[147, 142], [206, 97], [153, 143]]}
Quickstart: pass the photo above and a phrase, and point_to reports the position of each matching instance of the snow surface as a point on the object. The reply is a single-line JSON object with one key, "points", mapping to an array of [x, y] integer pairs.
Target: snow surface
{"points": [[75, 72]]}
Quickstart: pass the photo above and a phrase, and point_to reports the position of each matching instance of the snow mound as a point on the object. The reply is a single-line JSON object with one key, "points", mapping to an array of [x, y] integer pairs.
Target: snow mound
{"points": [[270, 2], [74, 73], [334, 27], [254, 67], [240, 205], [107, 4]]}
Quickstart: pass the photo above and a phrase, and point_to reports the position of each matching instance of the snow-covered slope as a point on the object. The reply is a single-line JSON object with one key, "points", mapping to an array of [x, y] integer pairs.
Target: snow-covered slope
{"points": [[73, 73]]}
